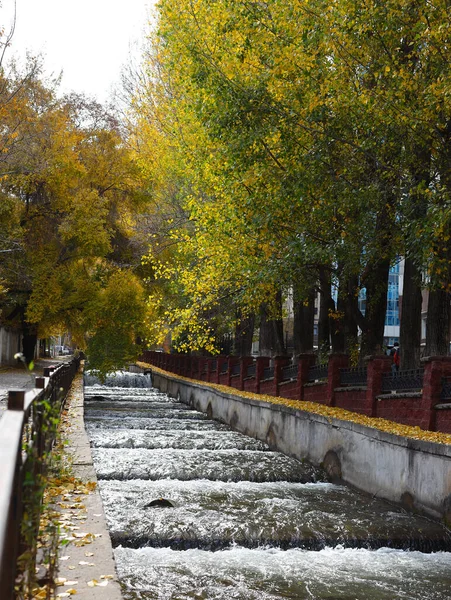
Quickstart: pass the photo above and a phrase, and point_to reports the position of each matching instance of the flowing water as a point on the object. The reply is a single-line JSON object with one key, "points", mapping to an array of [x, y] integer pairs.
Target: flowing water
{"points": [[239, 521]]}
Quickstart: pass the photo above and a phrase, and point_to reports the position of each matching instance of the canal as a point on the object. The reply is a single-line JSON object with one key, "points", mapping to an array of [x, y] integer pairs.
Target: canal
{"points": [[197, 511]]}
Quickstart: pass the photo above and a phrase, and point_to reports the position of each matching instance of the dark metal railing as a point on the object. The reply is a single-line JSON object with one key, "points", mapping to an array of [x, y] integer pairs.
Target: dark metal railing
{"points": [[353, 376], [407, 381], [446, 389], [251, 370], [268, 373], [27, 433], [318, 372], [224, 368], [289, 373], [236, 369]]}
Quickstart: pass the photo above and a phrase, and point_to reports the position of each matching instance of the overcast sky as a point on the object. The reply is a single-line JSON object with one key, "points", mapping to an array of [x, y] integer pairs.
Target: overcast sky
{"points": [[89, 40]]}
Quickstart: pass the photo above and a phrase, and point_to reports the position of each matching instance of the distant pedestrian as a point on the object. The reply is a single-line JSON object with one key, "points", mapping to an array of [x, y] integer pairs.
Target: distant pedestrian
{"points": [[394, 353]]}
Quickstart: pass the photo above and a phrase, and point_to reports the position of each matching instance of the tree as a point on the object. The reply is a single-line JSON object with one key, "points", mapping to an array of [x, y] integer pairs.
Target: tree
{"points": [[304, 141], [73, 195]]}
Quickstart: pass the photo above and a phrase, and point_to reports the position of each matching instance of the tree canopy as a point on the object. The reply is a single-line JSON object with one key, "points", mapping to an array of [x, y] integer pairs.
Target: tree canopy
{"points": [[71, 195], [311, 138], [271, 149]]}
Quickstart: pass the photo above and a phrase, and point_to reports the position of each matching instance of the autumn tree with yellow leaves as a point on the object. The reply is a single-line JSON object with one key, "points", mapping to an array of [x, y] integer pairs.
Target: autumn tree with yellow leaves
{"points": [[273, 148], [71, 198], [312, 138]]}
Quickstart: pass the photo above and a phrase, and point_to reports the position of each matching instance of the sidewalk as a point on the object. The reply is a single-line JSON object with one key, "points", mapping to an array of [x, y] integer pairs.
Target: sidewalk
{"points": [[86, 564], [17, 378]]}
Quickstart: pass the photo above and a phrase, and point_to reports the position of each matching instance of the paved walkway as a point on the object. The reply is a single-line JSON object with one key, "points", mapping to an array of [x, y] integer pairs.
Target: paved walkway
{"points": [[17, 378], [88, 566]]}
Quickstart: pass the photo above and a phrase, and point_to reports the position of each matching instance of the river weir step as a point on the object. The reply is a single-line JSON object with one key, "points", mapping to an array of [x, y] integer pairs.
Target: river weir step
{"points": [[155, 439], [222, 465], [197, 511], [273, 574], [212, 515]]}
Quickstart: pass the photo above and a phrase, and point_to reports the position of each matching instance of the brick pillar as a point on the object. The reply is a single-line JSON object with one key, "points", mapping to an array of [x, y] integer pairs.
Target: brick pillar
{"points": [[186, 363], [377, 366], [219, 364], [305, 361], [195, 370], [279, 362], [435, 367], [233, 360], [262, 363], [245, 361], [230, 362], [193, 367], [201, 367], [336, 362], [208, 362]]}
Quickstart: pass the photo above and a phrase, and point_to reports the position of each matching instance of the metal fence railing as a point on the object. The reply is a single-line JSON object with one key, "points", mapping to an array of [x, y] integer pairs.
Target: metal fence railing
{"points": [[403, 381], [251, 370], [268, 373], [353, 376], [290, 373], [224, 368], [236, 369], [27, 433], [318, 372], [446, 389]]}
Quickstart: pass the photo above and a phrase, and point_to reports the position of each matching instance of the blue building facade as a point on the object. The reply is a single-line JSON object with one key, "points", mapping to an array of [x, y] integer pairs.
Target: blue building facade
{"points": [[395, 278]]}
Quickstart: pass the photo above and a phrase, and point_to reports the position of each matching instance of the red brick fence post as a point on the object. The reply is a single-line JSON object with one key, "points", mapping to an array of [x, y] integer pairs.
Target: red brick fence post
{"points": [[435, 367], [377, 366]]}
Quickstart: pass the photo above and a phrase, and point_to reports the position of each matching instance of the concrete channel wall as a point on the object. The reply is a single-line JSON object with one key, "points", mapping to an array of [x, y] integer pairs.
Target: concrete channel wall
{"points": [[416, 474]]}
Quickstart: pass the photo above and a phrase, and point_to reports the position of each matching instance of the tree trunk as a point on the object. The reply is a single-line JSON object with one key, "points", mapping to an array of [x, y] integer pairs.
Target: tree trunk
{"points": [[304, 316], [438, 322], [326, 304], [410, 328], [29, 341], [347, 306], [271, 330], [244, 332], [376, 285], [279, 342]]}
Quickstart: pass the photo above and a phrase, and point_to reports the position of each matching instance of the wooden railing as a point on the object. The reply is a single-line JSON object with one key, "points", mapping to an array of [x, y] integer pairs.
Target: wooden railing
{"points": [[25, 438]]}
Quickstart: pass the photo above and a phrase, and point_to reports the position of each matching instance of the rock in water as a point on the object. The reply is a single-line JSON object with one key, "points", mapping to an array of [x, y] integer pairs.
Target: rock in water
{"points": [[160, 502]]}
